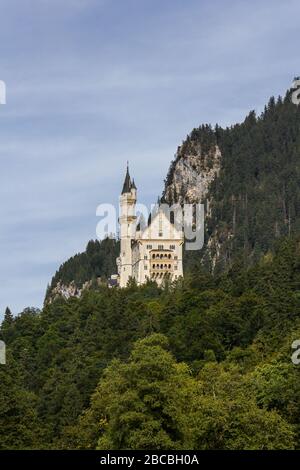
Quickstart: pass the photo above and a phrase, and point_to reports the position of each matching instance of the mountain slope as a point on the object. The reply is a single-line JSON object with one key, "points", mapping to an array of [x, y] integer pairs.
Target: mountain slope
{"points": [[97, 262], [248, 176]]}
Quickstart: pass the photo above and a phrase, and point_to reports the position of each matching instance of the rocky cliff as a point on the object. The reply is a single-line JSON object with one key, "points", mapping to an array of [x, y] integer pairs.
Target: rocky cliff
{"points": [[194, 171], [248, 177]]}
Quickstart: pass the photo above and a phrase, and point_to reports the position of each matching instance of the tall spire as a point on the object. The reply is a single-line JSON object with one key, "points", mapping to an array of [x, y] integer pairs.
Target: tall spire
{"points": [[127, 182]]}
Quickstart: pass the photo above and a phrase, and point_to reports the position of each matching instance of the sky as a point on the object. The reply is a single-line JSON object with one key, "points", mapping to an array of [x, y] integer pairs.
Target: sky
{"points": [[94, 83]]}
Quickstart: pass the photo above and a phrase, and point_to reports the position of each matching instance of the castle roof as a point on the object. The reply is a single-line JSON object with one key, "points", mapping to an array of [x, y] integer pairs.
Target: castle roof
{"points": [[127, 182]]}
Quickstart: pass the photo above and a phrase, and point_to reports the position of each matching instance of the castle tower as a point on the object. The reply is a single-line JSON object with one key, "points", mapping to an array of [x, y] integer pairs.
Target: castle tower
{"points": [[127, 221]]}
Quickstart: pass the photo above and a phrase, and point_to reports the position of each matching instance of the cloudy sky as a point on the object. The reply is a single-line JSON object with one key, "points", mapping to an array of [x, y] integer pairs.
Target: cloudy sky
{"points": [[93, 83]]}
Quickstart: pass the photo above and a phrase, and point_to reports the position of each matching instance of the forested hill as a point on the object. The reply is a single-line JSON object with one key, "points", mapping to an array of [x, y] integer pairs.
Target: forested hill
{"points": [[203, 364], [97, 261], [248, 175]]}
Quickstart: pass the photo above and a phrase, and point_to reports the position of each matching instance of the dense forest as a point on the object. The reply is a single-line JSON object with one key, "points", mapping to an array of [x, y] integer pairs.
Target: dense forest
{"points": [[256, 197], [202, 364], [254, 201]]}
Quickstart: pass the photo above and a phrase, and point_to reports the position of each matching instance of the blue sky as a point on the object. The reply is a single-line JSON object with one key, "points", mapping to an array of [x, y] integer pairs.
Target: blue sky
{"points": [[94, 83]]}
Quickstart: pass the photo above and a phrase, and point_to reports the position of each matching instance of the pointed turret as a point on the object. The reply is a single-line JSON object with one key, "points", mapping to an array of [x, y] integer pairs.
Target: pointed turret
{"points": [[127, 182], [127, 220]]}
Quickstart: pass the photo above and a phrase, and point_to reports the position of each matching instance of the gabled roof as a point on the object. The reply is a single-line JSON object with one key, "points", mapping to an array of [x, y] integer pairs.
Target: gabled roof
{"points": [[169, 220]]}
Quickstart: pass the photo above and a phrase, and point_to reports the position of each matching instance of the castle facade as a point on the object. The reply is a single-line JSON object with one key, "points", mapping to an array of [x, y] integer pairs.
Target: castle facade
{"points": [[147, 251]]}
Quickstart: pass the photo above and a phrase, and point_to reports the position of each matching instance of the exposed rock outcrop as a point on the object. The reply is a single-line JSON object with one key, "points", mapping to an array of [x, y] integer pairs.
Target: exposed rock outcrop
{"points": [[70, 290], [193, 171]]}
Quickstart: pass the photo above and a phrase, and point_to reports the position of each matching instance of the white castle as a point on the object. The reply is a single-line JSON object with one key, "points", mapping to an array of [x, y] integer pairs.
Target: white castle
{"points": [[152, 251]]}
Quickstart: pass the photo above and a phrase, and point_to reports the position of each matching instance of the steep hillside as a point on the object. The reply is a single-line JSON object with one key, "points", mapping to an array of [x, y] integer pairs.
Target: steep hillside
{"points": [[96, 263], [205, 364], [248, 177]]}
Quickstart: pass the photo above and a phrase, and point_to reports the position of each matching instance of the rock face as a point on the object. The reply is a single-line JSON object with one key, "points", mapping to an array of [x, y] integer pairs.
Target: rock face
{"points": [[196, 165], [65, 291], [193, 172], [248, 177], [69, 290]]}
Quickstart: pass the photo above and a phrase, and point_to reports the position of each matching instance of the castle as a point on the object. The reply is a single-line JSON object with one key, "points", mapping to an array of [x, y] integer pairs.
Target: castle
{"points": [[152, 251]]}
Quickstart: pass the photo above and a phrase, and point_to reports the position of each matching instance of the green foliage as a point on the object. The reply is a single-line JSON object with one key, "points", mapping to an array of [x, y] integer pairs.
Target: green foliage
{"points": [[204, 364], [152, 402], [256, 198], [98, 260], [20, 425]]}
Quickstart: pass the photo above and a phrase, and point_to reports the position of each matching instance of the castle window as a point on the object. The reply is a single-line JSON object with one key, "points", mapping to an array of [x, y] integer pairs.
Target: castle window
{"points": [[169, 266], [175, 257], [160, 225], [145, 257], [160, 247], [153, 256], [145, 267], [149, 247], [175, 267], [172, 247], [169, 256]]}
